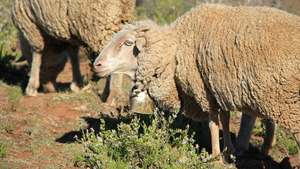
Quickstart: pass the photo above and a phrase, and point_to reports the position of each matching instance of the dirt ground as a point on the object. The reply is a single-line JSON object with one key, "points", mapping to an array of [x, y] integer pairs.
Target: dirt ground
{"points": [[44, 127]]}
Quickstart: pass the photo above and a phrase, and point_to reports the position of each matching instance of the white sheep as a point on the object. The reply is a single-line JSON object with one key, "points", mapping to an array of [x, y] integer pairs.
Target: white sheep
{"points": [[223, 58], [54, 29]]}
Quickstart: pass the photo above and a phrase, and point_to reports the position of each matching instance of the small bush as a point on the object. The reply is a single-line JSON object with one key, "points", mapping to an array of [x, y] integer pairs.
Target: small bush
{"points": [[142, 145]]}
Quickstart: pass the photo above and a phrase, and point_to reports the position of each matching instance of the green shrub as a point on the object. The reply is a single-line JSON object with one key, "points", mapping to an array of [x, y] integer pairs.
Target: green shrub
{"points": [[151, 143]]}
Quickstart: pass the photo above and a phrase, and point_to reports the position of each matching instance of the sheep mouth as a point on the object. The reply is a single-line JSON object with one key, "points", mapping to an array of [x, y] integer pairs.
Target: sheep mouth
{"points": [[103, 73]]}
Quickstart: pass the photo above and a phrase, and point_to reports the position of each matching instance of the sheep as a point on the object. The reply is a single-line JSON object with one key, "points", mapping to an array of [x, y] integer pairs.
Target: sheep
{"points": [[223, 58], [53, 30], [127, 63]]}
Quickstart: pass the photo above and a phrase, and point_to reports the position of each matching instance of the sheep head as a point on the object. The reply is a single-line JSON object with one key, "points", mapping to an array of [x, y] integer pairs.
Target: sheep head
{"points": [[120, 55], [139, 51]]}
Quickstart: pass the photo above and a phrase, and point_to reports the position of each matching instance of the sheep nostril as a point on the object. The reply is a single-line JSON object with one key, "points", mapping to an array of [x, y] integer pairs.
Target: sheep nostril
{"points": [[97, 65]]}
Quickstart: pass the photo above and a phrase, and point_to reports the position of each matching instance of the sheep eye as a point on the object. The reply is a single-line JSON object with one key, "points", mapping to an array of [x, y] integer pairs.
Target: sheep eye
{"points": [[128, 43]]}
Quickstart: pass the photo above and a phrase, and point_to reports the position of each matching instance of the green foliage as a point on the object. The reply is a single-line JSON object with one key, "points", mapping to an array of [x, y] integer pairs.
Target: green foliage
{"points": [[3, 150], [8, 32], [151, 143], [161, 11], [260, 127], [5, 57], [286, 142], [8, 36]]}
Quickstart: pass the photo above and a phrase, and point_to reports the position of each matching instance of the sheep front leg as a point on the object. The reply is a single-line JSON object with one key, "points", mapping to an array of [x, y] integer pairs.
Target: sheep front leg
{"points": [[214, 130], [113, 89], [34, 80], [225, 120], [77, 81]]}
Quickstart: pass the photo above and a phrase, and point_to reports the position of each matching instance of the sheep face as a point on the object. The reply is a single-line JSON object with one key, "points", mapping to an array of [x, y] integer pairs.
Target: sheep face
{"points": [[119, 56]]}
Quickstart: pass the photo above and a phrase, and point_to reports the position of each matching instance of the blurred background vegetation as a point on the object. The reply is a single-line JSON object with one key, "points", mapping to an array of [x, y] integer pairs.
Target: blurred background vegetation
{"points": [[166, 11], [8, 32]]}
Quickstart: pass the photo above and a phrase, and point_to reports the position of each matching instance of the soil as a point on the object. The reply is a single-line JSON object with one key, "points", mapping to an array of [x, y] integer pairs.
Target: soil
{"points": [[45, 126]]}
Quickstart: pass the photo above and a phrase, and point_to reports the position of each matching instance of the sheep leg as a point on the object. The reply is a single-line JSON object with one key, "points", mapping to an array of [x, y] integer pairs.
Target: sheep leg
{"points": [[113, 89], [178, 119], [244, 135], [77, 81], [269, 138], [50, 85], [297, 137], [105, 93], [225, 119], [214, 130], [34, 80], [206, 130]]}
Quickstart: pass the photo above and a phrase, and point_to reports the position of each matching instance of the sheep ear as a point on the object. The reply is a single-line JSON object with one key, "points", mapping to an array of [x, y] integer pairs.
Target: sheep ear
{"points": [[143, 29], [140, 43]]}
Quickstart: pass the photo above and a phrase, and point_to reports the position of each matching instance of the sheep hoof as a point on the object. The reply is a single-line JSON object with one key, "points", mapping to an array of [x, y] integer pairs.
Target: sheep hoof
{"points": [[228, 155], [111, 101], [75, 87], [31, 92], [49, 88]]}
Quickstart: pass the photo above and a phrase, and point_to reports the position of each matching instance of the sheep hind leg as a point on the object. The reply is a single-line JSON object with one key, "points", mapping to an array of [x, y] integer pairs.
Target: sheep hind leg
{"points": [[214, 130], [34, 80], [77, 81], [113, 89], [269, 138], [225, 120], [50, 86], [297, 137], [244, 135]]}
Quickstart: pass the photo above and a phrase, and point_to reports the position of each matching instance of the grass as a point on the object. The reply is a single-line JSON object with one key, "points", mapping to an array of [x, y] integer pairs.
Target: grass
{"points": [[14, 95], [286, 143], [3, 150], [7, 127]]}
